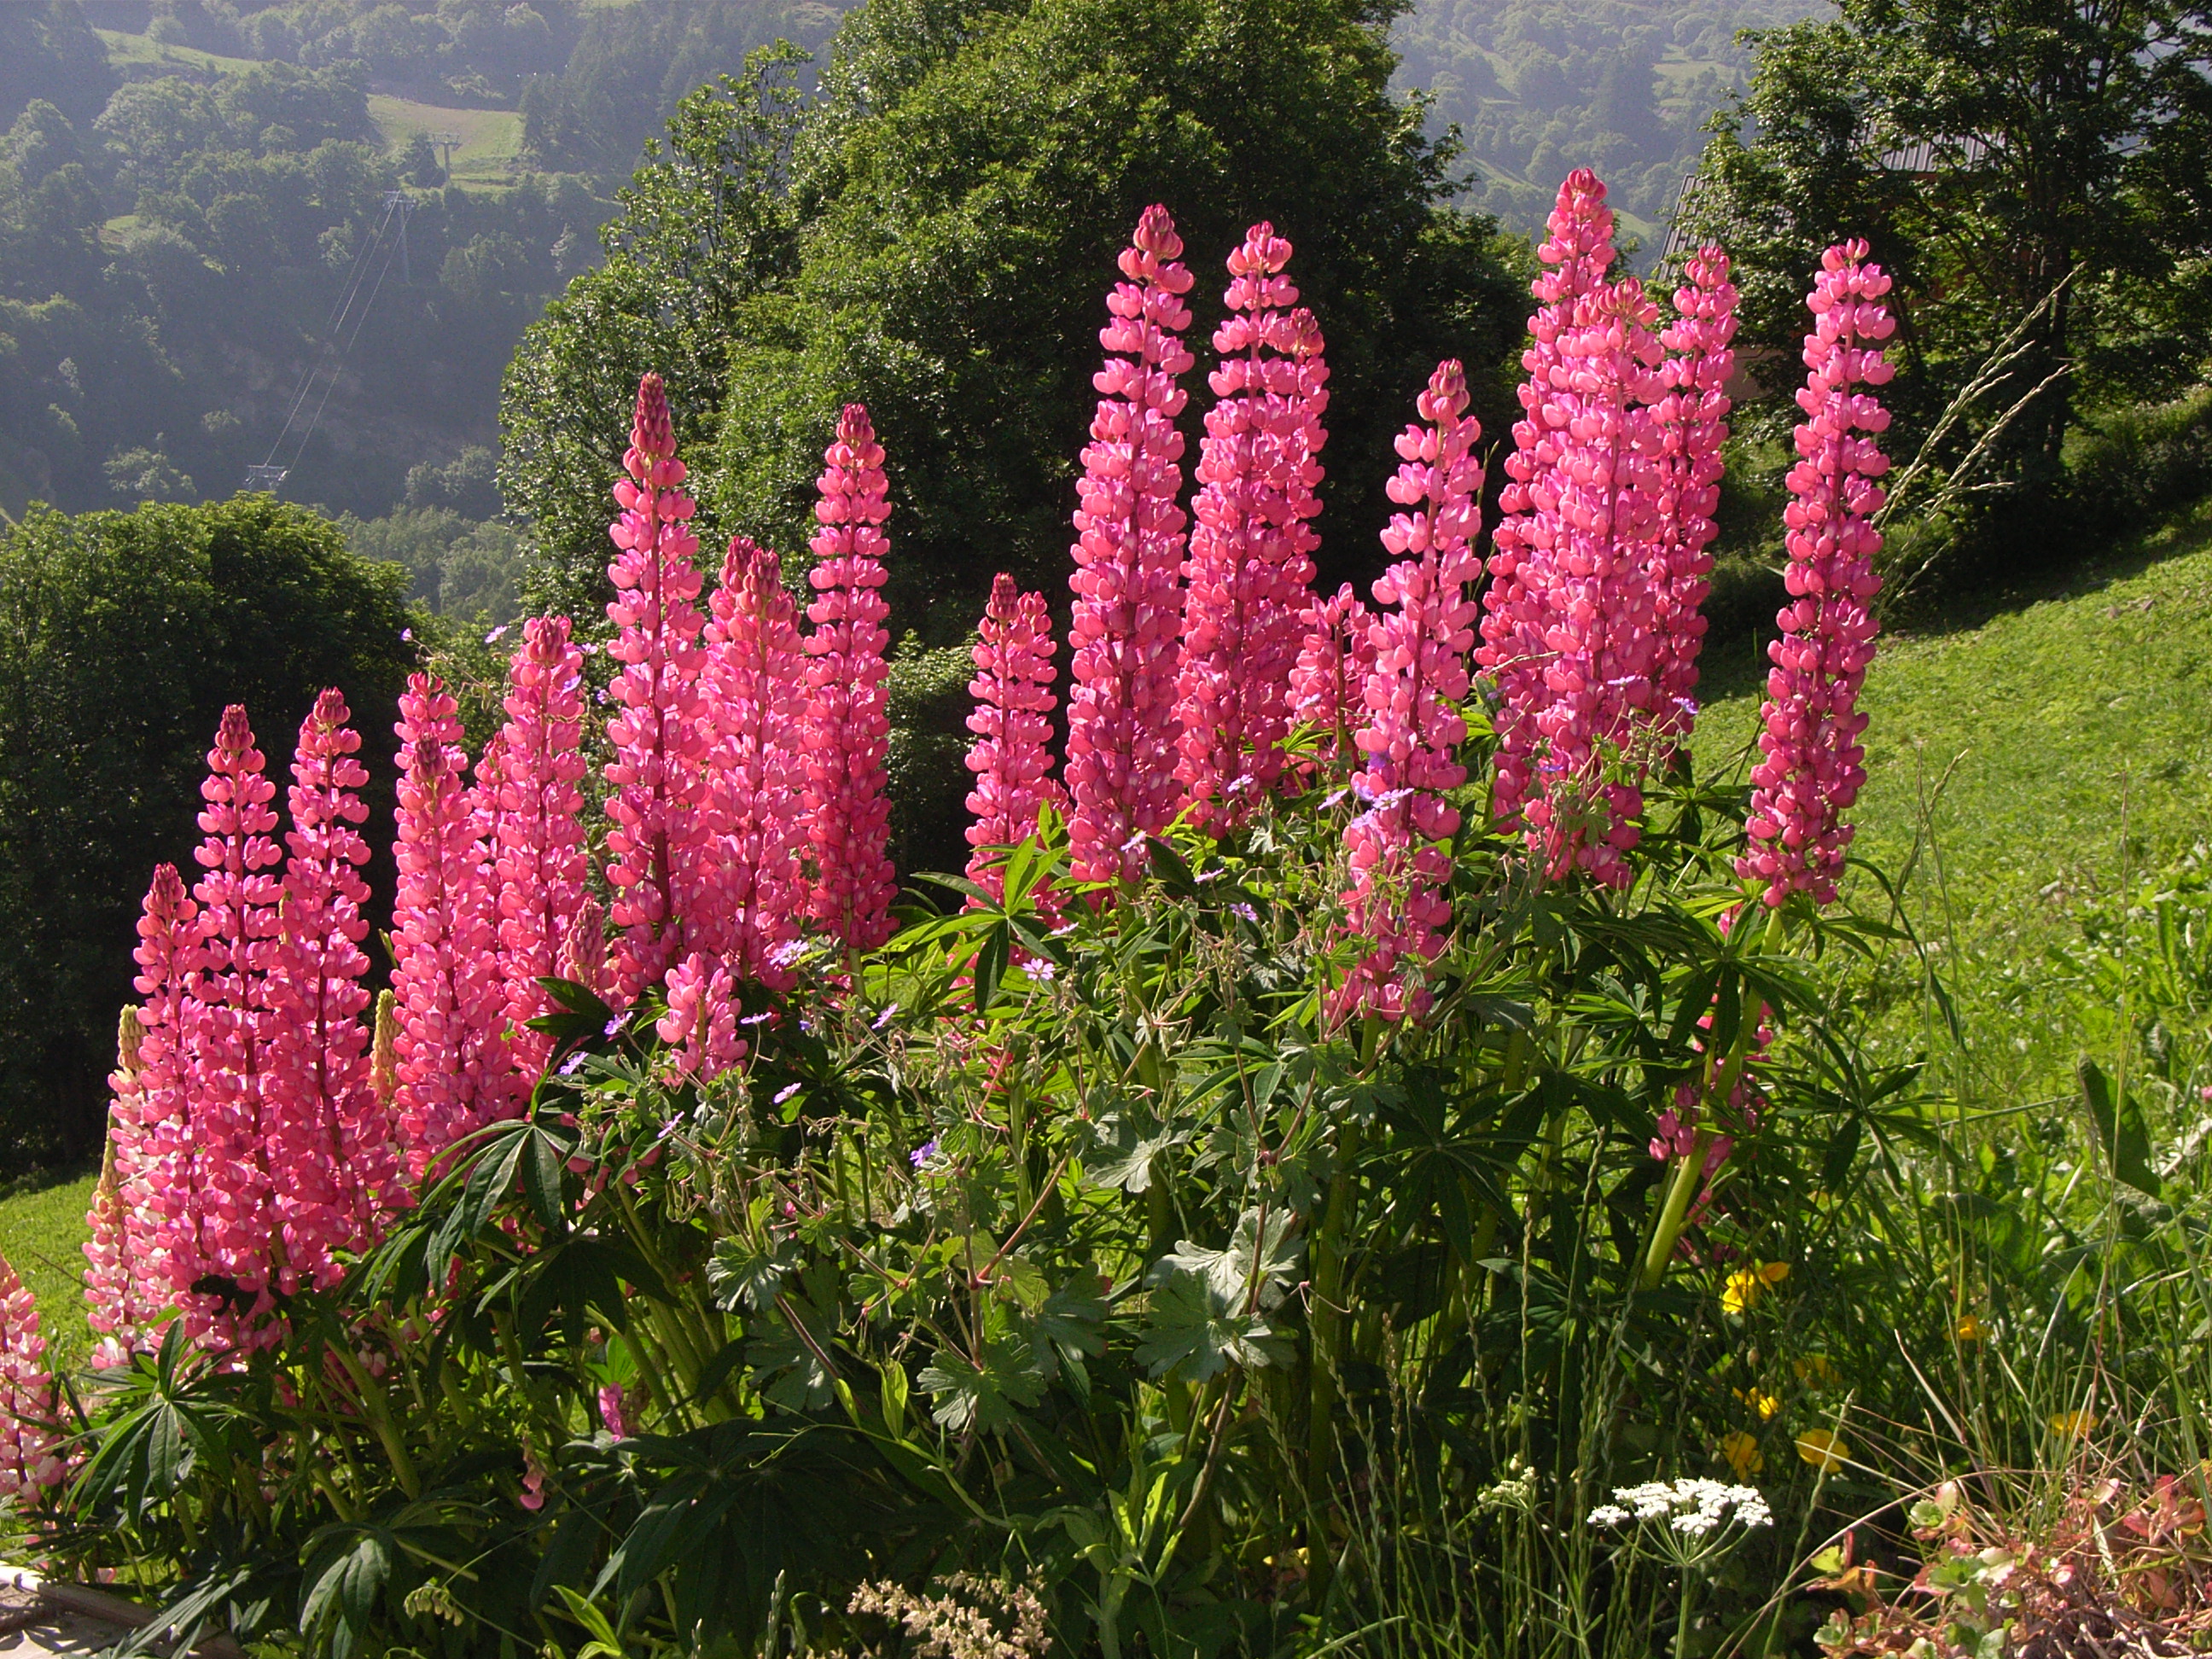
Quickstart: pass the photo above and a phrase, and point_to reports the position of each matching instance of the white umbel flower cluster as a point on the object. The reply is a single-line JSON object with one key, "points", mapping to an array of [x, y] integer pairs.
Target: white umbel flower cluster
{"points": [[1696, 1508]]}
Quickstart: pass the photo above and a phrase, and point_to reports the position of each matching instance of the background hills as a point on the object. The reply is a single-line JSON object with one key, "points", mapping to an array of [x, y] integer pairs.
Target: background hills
{"points": [[309, 235]]}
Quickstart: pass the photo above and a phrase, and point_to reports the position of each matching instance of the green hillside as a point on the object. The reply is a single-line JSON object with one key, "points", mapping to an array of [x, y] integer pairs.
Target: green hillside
{"points": [[2026, 775]]}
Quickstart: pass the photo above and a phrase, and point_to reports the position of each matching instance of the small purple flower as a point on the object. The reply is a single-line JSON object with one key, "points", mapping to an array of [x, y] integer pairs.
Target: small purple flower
{"points": [[614, 1024], [1245, 911], [588, 650], [406, 632], [1044, 968], [568, 1066], [493, 637], [922, 1154], [787, 952], [600, 694], [786, 1092], [1336, 799], [884, 1017], [761, 1018]]}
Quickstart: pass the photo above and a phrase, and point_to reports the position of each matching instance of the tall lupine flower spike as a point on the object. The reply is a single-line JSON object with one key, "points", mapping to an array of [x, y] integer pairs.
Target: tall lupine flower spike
{"points": [[1129, 551], [583, 948], [238, 899], [1397, 902], [117, 1252], [537, 834], [1526, 546], [164, 1189], [660, 734], [756, 676], [30, 1454], [702, 1021], [847, 729], [1334, 659], [326, 1131], [1693, 420], [454, 1071], [1599, 677], [1012, 726], [1814, 767], [1250, 568]]}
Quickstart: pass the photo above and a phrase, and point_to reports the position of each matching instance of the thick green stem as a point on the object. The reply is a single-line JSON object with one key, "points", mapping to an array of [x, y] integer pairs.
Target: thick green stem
{"points": [[1327, 1321], [1676, 1212]]}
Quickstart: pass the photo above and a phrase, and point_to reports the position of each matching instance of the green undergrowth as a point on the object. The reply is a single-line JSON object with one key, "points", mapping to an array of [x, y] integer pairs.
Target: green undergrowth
{"points": [[2035, 760]]}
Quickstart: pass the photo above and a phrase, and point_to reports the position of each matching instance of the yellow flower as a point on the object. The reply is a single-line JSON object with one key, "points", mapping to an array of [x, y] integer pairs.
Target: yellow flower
{"points": [[1814, 1370], [1746, 1284], [2072, 1425], [1969, 1328], [1765, 1404], [1825, 1451], [1742, 1455]]}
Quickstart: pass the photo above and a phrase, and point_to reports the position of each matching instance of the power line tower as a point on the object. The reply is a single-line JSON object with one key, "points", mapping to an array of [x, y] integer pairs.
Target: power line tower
{"points": [[400, 202], [448, 142]]}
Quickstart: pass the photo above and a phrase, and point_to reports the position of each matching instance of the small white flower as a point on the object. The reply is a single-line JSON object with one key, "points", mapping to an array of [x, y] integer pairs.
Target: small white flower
{"points": [[1608, 1515]]}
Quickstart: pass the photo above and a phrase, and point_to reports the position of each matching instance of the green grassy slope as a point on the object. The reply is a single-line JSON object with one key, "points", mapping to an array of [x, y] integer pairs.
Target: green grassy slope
{"points": [[42, 1234], [2026, 772]]}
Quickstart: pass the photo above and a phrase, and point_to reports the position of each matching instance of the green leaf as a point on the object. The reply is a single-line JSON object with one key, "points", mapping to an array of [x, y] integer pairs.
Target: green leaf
{"points": [[1194, 1333], [986, 1397], [2121, 1130], [1253, 1271], [741, 1275]]}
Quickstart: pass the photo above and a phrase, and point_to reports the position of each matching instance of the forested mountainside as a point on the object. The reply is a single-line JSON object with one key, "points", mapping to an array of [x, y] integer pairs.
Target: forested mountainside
{"points": [[309, 235], [1539, 87]]}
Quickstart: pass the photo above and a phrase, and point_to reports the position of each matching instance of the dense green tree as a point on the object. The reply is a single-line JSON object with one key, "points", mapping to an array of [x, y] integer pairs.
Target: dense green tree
{"points": [[954, 206], [122, 637], [48, 50], [2029, 165]]}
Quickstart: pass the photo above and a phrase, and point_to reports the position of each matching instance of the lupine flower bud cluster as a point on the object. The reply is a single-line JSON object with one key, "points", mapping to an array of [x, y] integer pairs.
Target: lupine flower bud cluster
{"points": [[1412, 726], [757, 684], [660, 734], [1693, 418], [1121, 731], [1599, 564], [1010, 757], [1329, 685], [30, 1460], [1814, 766], [1517, 626], [1252, 541], [848, 732]]}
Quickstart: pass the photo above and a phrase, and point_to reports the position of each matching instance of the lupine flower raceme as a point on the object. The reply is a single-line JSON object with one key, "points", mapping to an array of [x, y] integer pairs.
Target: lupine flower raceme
{"points": [[1526, 548], [1012, 727], [454, 1071], [1412, 726], [659, 733], [30, 1459], [237, 901], [537, 834], [1129, 551], [1693, 419], [162, 1187], [757, 682], [327, 1133], [1813, 766], [1334, 658], [702, 1021], [848, 731], [1598, 674], [120, 1297], [1250, 568]]}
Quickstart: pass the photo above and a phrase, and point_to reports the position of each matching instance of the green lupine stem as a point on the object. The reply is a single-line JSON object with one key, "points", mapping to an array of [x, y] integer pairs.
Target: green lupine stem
{"points": [[1327, 1319]]}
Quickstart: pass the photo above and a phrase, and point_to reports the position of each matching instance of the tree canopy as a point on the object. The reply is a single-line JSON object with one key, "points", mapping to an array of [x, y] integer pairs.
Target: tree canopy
{"points": [[935, 235], [2036, 166]]}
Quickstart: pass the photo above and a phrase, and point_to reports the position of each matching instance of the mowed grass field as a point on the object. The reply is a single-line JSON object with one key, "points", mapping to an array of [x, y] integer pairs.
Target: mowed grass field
{"points": [[491, 138]]}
